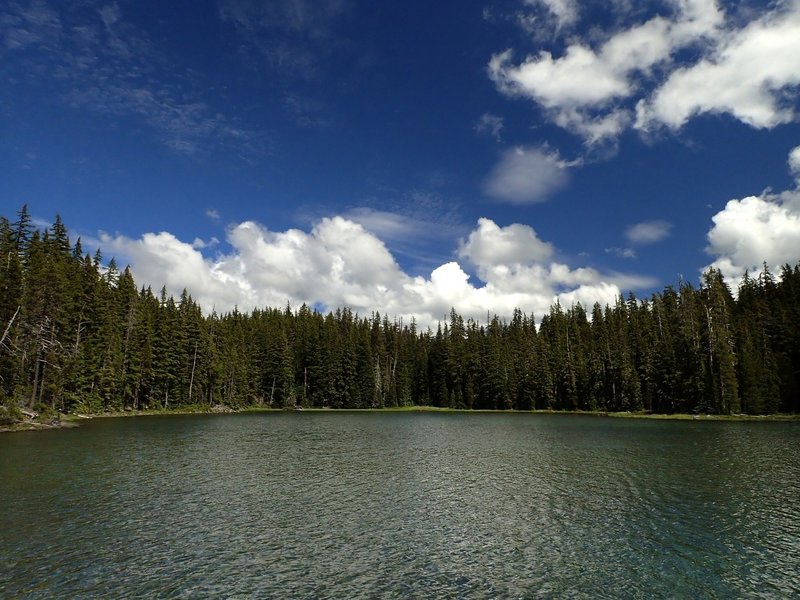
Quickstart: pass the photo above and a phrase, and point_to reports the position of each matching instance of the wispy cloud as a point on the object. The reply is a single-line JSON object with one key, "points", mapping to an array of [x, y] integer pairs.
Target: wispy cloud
{"points": [[184, 126], [621, 252], [295, 37], [30, 24], [311, 19], [794, 163], [99, 61], [412, 224], [307, 112], [201, 244], [564, 12], [491, 125]]}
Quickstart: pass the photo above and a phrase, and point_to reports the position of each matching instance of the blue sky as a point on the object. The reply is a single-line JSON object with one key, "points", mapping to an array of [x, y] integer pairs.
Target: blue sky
{"points": [[408, 157]]}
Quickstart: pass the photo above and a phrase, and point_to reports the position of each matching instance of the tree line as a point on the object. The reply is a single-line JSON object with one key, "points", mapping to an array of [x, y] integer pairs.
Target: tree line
{"points": [[80, 336]]}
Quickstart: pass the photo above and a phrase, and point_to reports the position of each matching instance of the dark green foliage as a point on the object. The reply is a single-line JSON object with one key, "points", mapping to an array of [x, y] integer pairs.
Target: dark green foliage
{"points": [[77, 336]]}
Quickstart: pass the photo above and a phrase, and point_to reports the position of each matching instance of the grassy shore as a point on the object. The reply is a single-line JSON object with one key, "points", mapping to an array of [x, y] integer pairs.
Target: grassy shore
{"points": [[74, 419], [702, 417], [437, 409], [616, 415]]}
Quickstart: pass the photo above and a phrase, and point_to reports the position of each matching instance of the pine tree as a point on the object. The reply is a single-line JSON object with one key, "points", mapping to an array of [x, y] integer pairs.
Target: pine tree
{"points": [[784, 303], [11, 287], [692, 391], [76, 335], [720, 343]]}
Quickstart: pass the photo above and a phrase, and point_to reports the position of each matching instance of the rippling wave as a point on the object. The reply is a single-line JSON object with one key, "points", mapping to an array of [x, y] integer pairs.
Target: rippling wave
{"points": [[313, 505]]}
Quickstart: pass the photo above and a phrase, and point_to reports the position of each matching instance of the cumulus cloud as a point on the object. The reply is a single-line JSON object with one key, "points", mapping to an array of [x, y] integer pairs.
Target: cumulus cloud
{"points": [[583, 89], [754, 230], [526, 176], [757, 229], [490, 245], [648, 232], [747, 75], [162, 259], [578, 78], [339, 263], [686, 61]]}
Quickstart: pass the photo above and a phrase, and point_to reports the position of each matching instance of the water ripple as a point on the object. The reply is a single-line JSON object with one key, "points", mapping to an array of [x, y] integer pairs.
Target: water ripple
{"points": [[401, 506]]}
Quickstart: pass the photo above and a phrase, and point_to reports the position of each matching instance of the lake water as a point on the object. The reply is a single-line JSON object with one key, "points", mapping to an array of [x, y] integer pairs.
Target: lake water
{"points": [[400, 505]]}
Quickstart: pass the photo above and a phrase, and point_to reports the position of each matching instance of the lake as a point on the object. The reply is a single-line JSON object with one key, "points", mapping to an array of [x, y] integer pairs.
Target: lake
{"points": [[401, 505]]}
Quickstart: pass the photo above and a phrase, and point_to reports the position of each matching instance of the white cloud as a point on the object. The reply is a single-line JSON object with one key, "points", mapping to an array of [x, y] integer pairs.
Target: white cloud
{"points": [[339, 263], [526, 176], [579, 78], [162, 259], [747, 75], [489, 245], [755, 230], [585, 89], [686, 61], [648, 232], [603, 292], [213, 214]]}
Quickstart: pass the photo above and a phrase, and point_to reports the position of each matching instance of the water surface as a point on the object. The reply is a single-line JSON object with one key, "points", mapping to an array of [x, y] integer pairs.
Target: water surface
{"points": [[398, 505]]}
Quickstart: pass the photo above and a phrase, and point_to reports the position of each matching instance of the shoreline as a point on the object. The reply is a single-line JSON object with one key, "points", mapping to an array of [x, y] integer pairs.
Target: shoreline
{"points": [[73, 420]]}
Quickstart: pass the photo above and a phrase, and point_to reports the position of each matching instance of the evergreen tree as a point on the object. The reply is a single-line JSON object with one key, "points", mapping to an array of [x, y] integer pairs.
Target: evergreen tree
{"points": [[78, 336], [720, 344]]}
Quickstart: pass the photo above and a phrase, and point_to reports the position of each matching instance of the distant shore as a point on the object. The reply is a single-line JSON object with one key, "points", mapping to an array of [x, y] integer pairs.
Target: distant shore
{"points": [[74, 419]]}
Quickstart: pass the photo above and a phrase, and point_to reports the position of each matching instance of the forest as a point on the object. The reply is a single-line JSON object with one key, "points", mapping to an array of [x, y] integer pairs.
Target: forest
{"points": [[79, 336]]}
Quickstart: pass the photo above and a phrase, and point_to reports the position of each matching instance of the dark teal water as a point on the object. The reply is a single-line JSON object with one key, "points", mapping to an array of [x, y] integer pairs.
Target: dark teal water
{"points": [[355, 505]]}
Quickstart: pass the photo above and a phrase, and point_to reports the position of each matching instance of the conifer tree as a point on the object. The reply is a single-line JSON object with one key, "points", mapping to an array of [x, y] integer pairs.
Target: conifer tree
{"points": [[77, 335], [720, 341]]}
